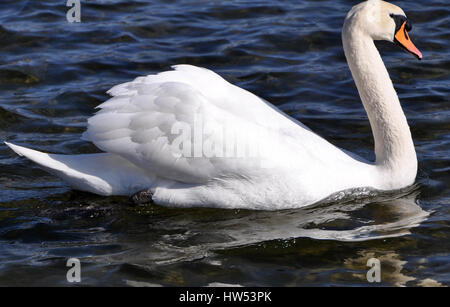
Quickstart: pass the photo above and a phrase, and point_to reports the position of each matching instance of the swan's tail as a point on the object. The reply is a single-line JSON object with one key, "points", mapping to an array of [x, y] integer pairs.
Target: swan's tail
{"points": [[103, 173]]}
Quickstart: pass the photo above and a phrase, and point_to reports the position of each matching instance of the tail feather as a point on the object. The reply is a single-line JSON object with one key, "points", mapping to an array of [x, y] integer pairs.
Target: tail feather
{"points": [[103, 173]]}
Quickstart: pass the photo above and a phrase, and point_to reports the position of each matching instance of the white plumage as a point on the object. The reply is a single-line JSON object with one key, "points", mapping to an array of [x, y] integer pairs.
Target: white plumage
{"points": [[135, 128], [178, 134]]}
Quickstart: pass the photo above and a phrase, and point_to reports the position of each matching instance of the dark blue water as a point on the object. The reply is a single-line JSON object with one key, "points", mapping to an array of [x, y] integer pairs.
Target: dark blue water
{"points": [[53, 73]]}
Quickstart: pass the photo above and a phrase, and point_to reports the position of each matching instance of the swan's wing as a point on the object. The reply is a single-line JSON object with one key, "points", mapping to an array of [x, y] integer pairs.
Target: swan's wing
{"points": [[231, 98], [189, 125]]}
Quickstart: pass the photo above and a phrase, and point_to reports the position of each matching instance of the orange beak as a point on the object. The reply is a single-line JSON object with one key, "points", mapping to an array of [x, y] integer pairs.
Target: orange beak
{"points": [[402, 39]]}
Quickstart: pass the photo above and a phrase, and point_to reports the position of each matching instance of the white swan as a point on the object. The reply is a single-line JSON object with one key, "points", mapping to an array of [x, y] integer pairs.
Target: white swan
{"points": [[170, 134]]}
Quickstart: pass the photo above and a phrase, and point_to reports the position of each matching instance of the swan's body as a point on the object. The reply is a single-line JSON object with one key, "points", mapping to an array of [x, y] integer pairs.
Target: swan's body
{"points": [[140, 129]]}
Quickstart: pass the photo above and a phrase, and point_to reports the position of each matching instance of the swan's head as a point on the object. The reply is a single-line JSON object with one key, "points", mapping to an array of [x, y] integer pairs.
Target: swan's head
{"points": [[382, 21]]}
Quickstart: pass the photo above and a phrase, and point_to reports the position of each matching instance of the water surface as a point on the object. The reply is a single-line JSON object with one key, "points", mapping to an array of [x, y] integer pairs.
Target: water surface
{"points": [[53, 73]]}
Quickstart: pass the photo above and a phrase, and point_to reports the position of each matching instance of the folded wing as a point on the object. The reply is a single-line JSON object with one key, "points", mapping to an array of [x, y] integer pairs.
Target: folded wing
{"points": [[191, 125]]}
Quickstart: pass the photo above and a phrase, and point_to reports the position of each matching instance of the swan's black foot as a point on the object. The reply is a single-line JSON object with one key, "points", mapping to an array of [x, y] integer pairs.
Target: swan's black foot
{"points": [[140, 198]]}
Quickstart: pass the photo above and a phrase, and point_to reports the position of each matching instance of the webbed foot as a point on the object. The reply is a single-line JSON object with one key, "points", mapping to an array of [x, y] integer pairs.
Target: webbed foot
{"points": [[140, 198]]}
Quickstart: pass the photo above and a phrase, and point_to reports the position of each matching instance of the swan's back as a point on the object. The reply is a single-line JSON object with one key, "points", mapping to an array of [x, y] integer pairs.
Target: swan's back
{"points": [[144, 121]]}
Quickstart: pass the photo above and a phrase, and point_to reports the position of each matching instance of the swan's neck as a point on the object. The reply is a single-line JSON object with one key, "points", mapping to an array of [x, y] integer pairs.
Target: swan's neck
{"points": [[394, 149]]}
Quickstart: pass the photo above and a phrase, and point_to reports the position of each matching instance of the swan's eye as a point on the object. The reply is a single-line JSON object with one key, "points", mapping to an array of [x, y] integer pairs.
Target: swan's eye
{"points": [[399, 21], [408, 25]]}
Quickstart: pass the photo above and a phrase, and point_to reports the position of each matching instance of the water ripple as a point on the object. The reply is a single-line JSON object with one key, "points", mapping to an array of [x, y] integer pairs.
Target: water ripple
{"points": [[53, 74]]}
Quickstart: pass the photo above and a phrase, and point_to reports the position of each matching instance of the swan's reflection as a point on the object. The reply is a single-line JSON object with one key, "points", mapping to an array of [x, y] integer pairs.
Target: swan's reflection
{"points": [[196, 234], [169, 239]]}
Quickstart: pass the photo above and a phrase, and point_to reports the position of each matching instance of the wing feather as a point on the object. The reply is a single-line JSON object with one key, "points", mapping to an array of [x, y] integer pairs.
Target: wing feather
{"points": [[140, 123]]}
